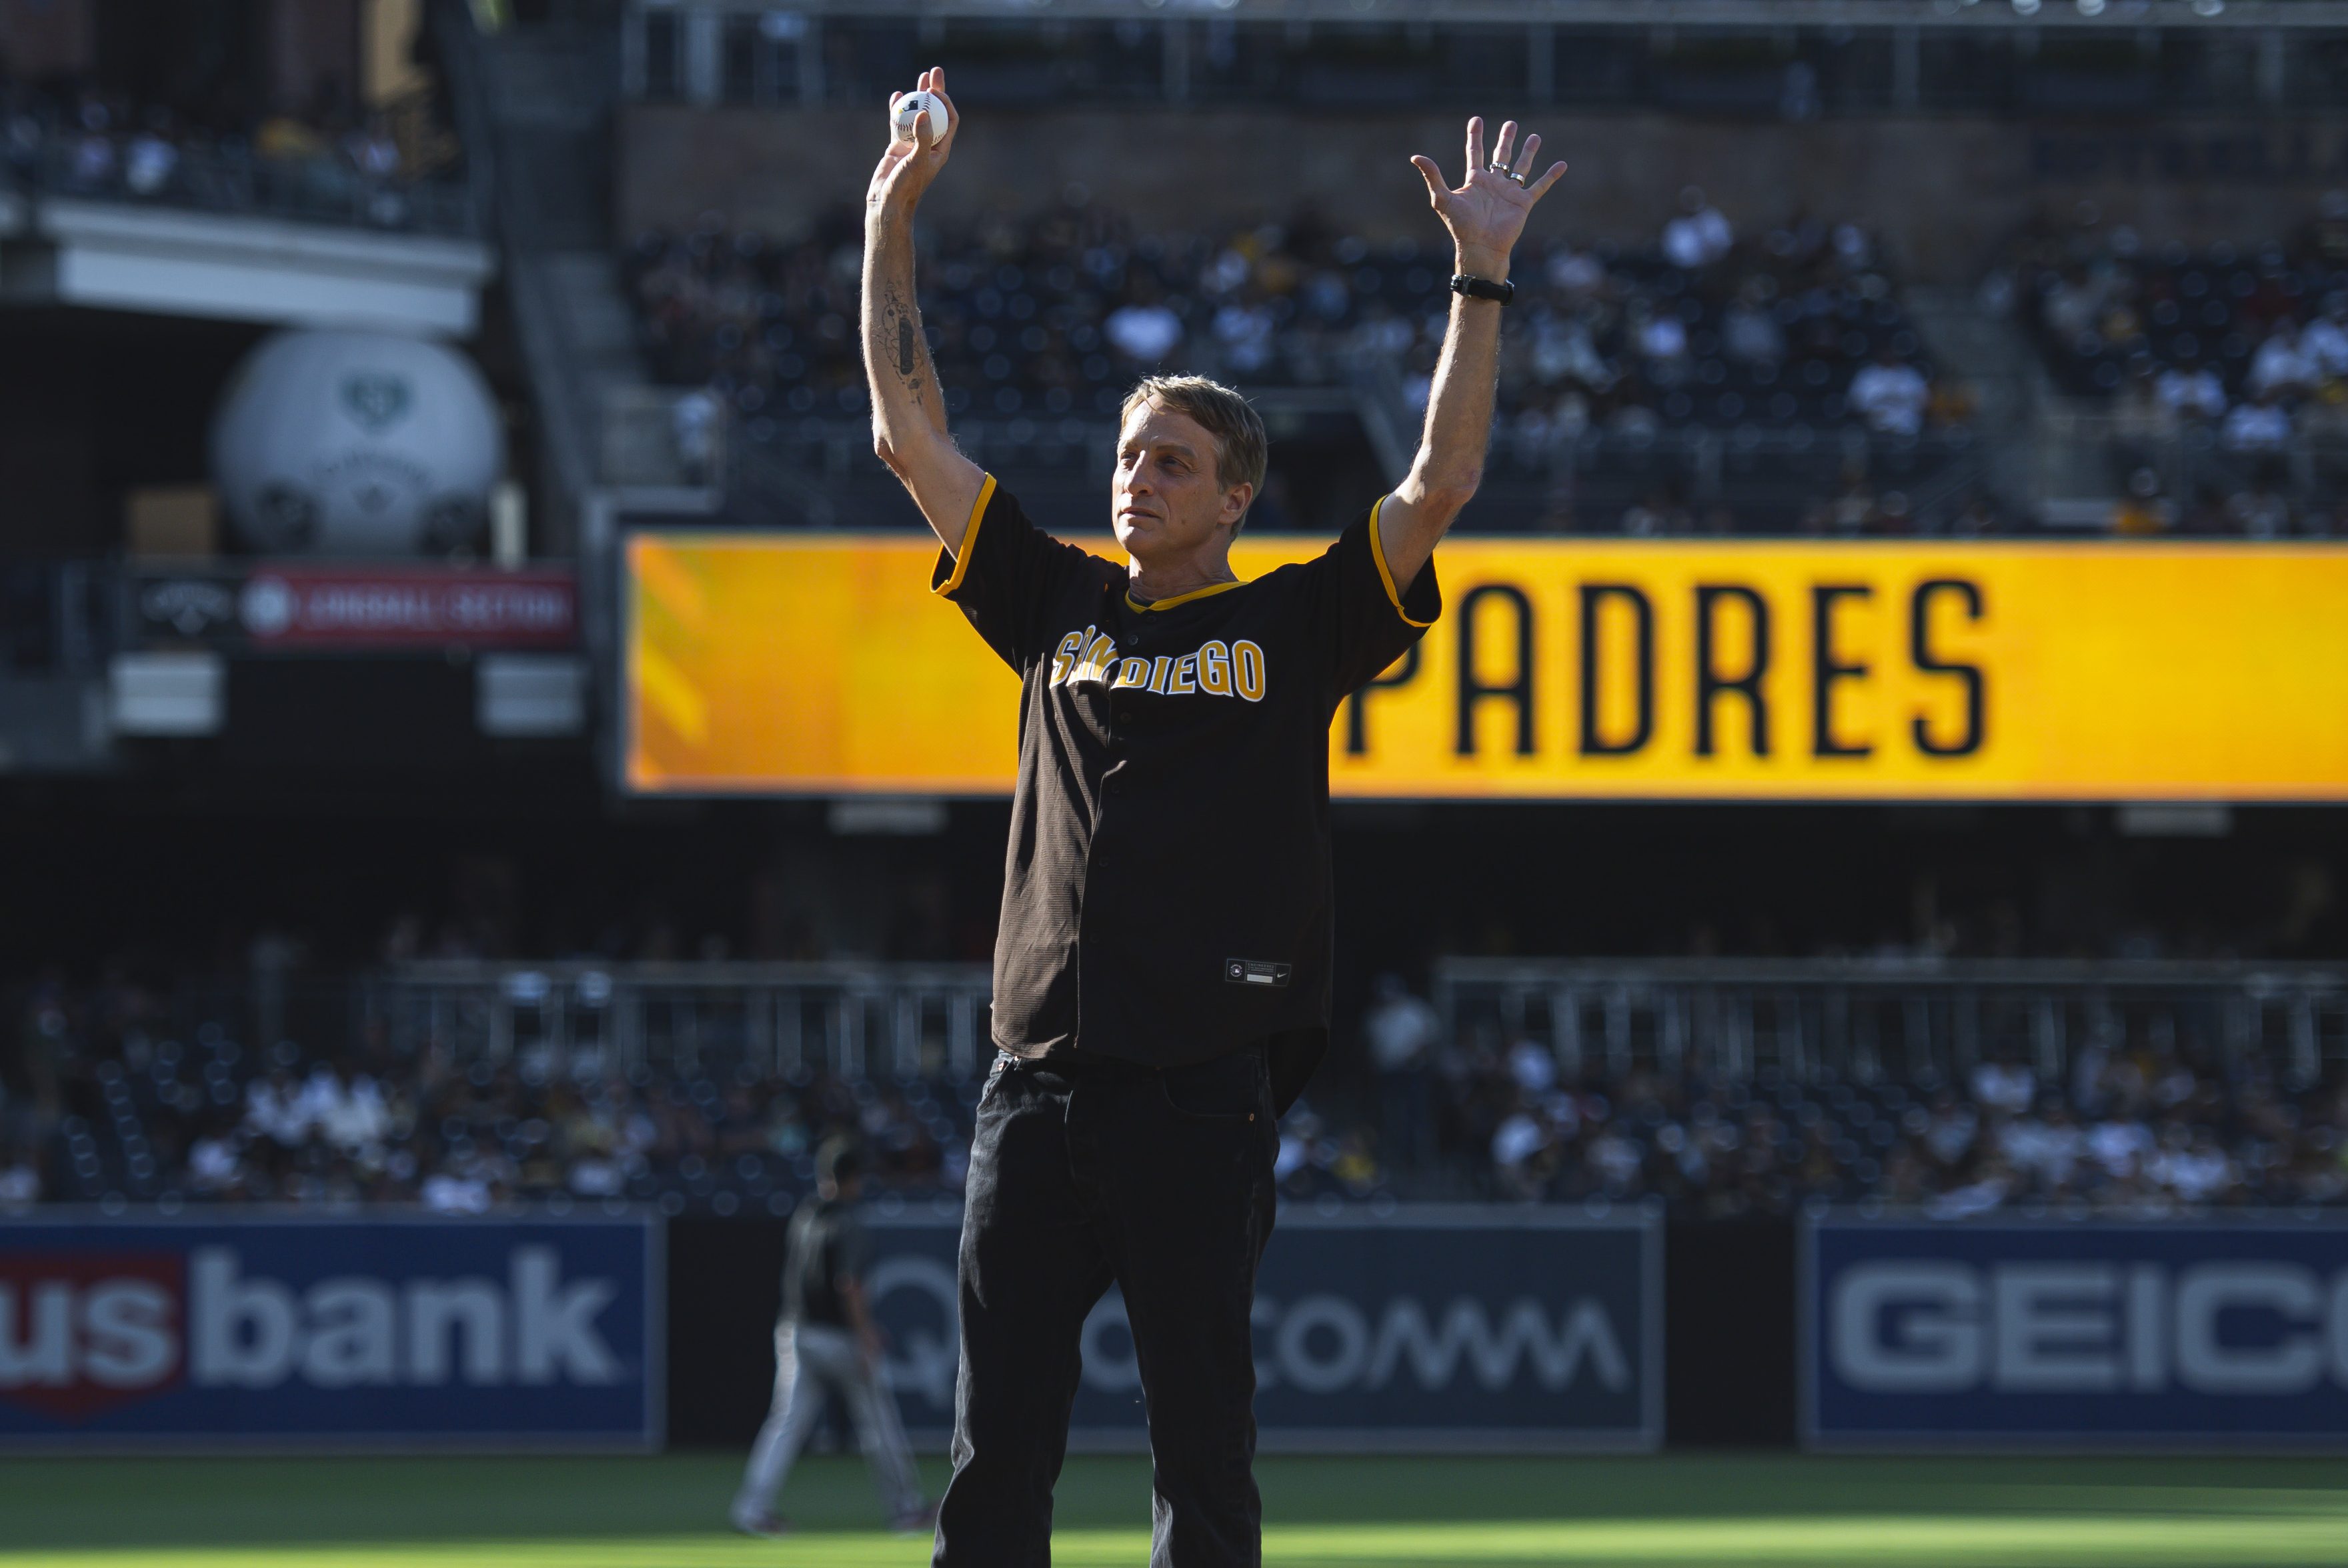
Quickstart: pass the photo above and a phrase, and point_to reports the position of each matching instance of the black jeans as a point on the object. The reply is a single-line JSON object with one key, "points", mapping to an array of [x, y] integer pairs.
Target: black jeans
{"points": [[1160, 1181]]}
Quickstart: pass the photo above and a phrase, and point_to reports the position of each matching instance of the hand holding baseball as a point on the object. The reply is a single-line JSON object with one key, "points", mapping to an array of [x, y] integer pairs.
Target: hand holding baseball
{"points": [[906, 170], [1489, 209]]}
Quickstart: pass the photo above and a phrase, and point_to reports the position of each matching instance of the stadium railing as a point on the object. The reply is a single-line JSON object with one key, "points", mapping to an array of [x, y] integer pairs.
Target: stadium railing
{"points": [[309, 190], [661, 437], [1768, 473], [852, 1020], [1866, 1020], [2082, 460], [1852, 1052], [1859, 1020], [1795, 60]]}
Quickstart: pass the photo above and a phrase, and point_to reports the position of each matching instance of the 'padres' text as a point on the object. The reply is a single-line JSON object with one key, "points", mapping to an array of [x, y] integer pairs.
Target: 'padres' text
{"points": [[1561, 669], [1216, 668]]}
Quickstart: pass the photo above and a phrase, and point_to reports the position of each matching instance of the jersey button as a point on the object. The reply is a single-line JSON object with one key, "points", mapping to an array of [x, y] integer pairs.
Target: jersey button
{"points": [[1124, 715]]}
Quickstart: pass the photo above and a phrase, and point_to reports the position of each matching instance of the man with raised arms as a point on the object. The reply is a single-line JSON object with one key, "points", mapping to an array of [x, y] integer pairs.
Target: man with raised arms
{"points": [[1161, 969]]}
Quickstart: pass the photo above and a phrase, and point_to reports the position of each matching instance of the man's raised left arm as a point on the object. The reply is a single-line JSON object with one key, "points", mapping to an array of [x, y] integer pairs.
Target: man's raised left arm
{"points": [[1485, 215]]}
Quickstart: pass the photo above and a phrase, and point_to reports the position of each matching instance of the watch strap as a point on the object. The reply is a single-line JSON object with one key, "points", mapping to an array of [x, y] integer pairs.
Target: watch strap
{"points": [[1482, 288]]}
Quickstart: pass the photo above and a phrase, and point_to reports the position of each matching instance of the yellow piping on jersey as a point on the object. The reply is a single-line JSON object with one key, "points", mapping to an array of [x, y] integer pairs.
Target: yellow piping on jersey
{"points": [[970, 538], [1212, 587], [1385, 573]]}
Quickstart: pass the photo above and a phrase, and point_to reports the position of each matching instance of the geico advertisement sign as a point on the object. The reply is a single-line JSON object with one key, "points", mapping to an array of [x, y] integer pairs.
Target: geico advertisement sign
{"points": [[389, 1330], [2075, 1327], [1570, 667], [2133, 1331], [1479, 1330]]}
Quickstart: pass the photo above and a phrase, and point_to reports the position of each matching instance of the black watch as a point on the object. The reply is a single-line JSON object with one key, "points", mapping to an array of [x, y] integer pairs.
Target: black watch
{"points": [[1482, 289]]}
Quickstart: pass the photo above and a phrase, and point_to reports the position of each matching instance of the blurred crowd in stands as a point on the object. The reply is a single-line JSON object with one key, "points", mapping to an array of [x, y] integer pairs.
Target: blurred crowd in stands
{"points": [[2148, 1125], [102, 1101], [2223, 372], [326, 158], [1793, 334]]}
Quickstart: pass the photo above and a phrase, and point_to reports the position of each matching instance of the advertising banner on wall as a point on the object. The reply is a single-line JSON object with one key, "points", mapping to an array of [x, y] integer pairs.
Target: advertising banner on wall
{"points": [[1433, 1328], [392, 1333], [1571, 668], [2074, 1335], [311, 605]]}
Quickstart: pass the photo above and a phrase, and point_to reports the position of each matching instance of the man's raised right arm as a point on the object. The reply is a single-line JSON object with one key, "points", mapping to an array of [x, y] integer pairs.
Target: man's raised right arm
{"points": [[908, 408]]}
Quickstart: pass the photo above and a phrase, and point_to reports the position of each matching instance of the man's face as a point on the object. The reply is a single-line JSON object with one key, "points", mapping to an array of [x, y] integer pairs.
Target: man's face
{"points": [[1167, 502]]}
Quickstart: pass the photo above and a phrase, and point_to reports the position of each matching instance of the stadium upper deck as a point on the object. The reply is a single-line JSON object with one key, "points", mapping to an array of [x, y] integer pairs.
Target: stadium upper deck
{"points": [[1795, 58], [1932, 133]]}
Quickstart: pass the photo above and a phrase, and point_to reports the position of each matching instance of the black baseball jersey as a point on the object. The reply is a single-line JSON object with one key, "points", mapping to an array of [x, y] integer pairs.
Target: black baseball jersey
{"points": [[1166, 894], [823, 1254]]}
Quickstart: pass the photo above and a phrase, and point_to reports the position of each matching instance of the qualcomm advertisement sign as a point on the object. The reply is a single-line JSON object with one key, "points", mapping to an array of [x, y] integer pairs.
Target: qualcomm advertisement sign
{"points": [[2075, 1334], [382, 1332], [1461, 1328]]}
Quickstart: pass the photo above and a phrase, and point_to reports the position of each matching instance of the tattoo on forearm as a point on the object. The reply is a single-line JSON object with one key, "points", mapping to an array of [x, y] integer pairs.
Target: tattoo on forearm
{"points": [[913, 353], [894, 338]]}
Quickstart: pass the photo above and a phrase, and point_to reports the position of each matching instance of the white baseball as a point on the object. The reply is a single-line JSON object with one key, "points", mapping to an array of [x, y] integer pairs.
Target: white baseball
{"points": [[912, 106]]}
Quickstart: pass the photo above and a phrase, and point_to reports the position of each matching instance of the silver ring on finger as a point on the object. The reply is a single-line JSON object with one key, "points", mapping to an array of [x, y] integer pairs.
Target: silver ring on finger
{"points": [[1522, 182]]}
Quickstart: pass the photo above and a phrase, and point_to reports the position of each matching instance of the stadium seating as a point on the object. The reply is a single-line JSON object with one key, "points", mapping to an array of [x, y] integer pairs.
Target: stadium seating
{"points": [[2095, 306], [211, 1119], [398, 170], [2143, 1136], [2221, 372], [1628, 371], [139, 1111]]}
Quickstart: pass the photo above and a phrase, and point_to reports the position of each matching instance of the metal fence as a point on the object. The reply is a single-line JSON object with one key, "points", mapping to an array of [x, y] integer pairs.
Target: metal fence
{"points": [[2084, 461], [318, 189], [1808, 1020], [1908, 1022], [1767, 474], [1855, 1021], [1781, 60], [662, 438], [689, 1019]]}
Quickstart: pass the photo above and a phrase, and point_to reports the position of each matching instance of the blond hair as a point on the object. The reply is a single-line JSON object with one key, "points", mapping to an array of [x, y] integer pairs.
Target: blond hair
{"points": [[1229, 418]]}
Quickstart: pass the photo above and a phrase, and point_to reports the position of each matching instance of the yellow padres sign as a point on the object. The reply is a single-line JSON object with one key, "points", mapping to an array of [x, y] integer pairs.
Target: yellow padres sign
{"points": [[1570, 669]]}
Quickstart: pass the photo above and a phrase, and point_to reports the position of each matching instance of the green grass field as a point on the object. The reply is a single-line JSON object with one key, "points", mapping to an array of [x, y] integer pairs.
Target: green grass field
{"points": [[667, 1512]]}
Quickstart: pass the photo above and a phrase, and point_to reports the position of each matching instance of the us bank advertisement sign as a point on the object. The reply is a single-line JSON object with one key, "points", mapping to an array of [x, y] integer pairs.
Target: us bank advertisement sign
{"points": [[1461, 1328], [299, 1332], [2047, 1335]]}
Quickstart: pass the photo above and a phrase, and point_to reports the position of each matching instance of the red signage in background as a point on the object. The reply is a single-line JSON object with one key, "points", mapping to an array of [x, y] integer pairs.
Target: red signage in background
{"points": [[81, 1332], [284, 605]]}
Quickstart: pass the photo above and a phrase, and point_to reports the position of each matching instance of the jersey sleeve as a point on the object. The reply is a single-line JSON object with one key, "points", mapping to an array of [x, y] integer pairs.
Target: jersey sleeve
{"points": [[1007, 572], [1370, 619]]}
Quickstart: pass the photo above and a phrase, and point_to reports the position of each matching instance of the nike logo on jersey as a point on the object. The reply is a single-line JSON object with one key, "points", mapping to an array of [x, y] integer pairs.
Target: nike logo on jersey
{"points": [[1217, 670]]}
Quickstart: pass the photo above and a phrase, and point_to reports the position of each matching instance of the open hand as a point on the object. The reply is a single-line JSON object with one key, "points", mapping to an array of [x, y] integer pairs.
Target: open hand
{"points": [[1488, 210], [907, 167]]}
